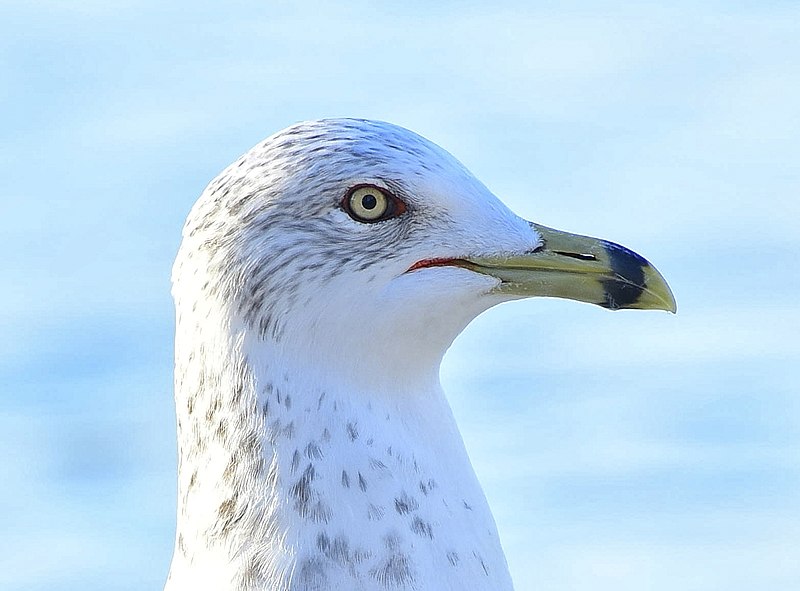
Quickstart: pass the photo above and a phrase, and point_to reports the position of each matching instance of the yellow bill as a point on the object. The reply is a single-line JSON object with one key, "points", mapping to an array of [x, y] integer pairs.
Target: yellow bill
{"points": [[580, 268]]}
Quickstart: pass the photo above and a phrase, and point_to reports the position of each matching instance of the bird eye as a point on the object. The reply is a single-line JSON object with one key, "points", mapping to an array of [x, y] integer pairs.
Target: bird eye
{"points": [[367, 203]]}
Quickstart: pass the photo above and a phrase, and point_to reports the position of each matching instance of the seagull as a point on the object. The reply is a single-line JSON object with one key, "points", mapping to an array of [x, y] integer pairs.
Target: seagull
{"points": [[320, 279]]}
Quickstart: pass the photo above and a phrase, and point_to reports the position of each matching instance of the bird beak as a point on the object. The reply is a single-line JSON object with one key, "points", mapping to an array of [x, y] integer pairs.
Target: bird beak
{"points": [[579, 268]]}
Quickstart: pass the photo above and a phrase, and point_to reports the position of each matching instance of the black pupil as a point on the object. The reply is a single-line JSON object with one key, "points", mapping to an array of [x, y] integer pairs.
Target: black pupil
{"points": [[369, 201]]}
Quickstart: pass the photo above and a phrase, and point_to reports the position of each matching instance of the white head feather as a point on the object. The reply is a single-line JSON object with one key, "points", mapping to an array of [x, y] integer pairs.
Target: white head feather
{"points": [[317, 449]]}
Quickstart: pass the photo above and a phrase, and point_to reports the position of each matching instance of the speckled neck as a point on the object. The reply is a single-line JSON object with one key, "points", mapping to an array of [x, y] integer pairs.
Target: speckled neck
{"points": [[288, 483]]}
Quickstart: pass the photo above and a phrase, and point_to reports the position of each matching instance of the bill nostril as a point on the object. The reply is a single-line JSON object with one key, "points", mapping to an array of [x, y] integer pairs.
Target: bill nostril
{"points": [[576, 255]]}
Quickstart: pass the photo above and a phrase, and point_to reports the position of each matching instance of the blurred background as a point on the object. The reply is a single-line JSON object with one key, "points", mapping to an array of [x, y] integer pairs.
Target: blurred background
{"points": [[620, 451]]}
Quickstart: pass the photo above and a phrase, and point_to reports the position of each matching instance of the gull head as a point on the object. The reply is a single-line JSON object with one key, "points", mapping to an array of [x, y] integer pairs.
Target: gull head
{"points": [[371, 248]]}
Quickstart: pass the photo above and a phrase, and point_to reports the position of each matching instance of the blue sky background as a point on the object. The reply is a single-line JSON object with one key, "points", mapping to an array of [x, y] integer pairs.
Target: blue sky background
{"points": [[620, 451]]}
